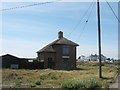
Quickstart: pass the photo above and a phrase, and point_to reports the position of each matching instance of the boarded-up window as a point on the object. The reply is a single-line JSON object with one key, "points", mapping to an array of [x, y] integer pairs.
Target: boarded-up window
{"points": [[14, 66]]}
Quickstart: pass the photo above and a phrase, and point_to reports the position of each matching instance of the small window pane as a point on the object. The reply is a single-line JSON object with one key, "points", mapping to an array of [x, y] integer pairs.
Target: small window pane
{"points": [[65, 50]]}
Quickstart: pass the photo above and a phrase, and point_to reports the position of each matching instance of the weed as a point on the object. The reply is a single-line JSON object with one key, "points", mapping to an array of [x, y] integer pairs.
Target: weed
{"points": [[78, 84]]}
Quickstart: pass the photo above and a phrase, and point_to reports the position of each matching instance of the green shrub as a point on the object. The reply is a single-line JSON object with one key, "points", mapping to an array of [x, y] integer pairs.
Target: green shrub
{"points": [[38, 82], [43, 77], [18, 82], [92, 84], [49, 76], [72, 84], [19, 77], [32, 85], [53, 76], [78, 84]]}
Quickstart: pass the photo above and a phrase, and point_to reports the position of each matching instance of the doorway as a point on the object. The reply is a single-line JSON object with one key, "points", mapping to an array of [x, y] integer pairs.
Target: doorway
{"points": [[66, 64], [50, 60]]}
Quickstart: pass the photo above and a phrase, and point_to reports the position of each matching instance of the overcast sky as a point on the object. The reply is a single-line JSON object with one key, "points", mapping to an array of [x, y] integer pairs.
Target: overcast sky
{"points": [[26, 30]]}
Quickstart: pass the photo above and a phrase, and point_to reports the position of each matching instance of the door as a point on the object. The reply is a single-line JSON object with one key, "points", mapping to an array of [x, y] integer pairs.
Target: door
{"points": [[66, 64], [50, 62]]}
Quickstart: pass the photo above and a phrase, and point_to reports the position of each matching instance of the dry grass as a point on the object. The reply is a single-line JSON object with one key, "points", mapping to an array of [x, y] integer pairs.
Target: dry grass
{"points": [[52, 78]]}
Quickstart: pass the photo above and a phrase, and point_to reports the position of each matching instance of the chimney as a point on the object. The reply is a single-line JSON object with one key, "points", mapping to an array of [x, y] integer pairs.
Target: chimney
{"points": [[60, 34]]}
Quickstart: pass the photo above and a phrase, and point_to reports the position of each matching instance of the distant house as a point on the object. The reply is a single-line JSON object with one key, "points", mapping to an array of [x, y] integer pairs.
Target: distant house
{"points": [[96, 57], [13, 62], [92, 57], [112, 60], [103, 58], [81, 58], [60, 54], [108, 60]]}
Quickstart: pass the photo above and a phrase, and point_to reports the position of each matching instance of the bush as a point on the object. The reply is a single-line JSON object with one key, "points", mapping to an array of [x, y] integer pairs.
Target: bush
{"points": [[38, 82], [78, 84], [92, 84], [32, 85], [72, 84], [53, 76], [18, 82], [43, 77], [49, 76]]}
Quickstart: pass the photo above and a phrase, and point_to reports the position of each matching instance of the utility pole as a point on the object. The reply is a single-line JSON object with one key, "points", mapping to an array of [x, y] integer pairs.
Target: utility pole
{"points": [[99, 39]]}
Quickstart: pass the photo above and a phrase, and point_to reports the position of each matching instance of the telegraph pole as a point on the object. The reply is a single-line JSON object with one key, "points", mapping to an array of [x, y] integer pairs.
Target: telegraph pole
{"points": [[99, 39]]}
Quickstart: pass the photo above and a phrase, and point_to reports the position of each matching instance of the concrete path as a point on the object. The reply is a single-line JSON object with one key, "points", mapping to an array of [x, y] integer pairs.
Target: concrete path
{"points": [[116, 85]]}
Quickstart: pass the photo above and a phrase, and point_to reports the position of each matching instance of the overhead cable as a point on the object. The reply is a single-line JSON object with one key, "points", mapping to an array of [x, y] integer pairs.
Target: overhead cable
{"points": [[113, 11], [30, 5], [79, 22]]}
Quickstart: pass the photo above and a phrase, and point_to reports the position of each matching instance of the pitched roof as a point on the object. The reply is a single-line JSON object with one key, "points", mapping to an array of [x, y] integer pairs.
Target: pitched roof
{"points": [[65, 41], [47, 48], [8, 55], [60, 41]]}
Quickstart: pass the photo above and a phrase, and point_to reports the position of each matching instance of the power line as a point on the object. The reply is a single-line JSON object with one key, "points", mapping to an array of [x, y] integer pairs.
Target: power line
{"points": [[87, 20], [113, 11], [81, 19], [30, 5], [82, 31], [90, 12]]}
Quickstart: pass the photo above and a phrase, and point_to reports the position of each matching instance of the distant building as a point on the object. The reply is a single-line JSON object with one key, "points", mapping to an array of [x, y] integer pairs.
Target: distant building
{"points": [[108, 60], [10, 61], [95, 57], [60, 54], [92, 57], [103, 58], [81, 58]]}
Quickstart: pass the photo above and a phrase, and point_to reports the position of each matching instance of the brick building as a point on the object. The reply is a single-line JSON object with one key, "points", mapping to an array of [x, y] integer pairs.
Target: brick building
{"points": [[60, 54]]}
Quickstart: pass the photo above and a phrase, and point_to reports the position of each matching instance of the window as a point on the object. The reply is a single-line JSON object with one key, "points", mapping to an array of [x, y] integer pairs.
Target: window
{"points": [[65, 50], [14, 66]]}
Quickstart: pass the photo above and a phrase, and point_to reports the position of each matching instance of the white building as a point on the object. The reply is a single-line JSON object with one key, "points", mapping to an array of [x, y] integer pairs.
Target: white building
{"points": [[92, 57], [96, 57], [81, 58]]}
